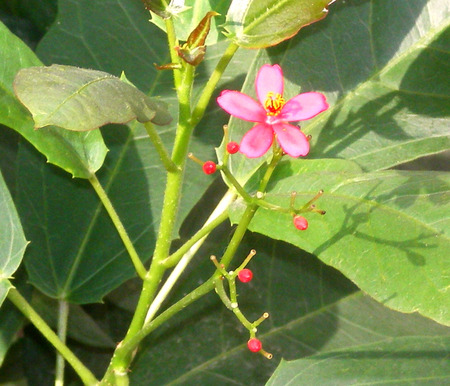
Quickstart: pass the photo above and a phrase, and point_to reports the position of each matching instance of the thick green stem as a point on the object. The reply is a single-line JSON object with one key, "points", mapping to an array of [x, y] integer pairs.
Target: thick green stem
{"points": [[185, 254], [183, 80], [63, 317], [139, 267], [132, 342], [122, 357], [173, 42], [83, 372]]}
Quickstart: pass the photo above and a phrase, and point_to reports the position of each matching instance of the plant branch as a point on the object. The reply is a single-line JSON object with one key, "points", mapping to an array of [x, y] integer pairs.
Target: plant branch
{"points": [[139, 267], [159, 146], [63, 316], [184, 255], [217, 217], [210, 86], [83, 372]]}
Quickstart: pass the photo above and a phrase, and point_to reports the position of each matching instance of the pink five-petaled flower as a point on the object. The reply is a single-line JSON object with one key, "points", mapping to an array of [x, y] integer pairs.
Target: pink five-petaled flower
{"points": [[272, 114]]}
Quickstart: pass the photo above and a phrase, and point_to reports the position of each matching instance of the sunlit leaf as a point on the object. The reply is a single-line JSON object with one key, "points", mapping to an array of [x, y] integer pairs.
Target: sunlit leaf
{"points": [[264, 23], [386, 231]]}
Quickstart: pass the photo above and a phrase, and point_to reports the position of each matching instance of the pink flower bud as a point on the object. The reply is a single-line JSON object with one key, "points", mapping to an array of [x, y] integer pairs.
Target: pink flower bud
{"points": [[254, 345], [209, 167], [245, 275], [232, 147], [300, 223]]}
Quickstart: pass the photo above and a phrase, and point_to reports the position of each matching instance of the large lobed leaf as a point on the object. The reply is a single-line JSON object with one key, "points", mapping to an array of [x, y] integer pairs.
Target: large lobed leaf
{"points": [[12, 240], [80, 99], [386, 231], [265, 23], [385, 82]]}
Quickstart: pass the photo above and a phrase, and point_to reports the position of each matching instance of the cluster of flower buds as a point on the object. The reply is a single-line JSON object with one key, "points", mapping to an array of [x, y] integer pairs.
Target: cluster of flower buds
{"points": [[245, 275], [210, 167]]}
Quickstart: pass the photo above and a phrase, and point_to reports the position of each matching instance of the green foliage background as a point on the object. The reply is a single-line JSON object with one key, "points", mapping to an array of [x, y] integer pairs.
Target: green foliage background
{"points": [[382, 66]]}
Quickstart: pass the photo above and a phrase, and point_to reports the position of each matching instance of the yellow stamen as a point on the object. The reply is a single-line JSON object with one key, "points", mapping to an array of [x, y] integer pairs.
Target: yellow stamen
{"points": [[274, 103]]}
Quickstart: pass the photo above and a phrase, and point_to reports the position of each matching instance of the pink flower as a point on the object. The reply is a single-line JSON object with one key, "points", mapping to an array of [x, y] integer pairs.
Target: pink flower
{"points": [[272, 114]]}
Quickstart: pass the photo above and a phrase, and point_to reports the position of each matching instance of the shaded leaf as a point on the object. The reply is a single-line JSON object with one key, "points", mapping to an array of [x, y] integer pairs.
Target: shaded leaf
{"points": [[264, 23], [12, 240], [80, 154], [399, 359], [386, 231], [312, 310], [79, 99], [80, 326]]}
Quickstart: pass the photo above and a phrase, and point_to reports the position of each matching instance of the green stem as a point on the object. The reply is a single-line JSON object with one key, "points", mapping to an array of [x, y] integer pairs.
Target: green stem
{"points": [[235, 305], [173, 42], [83, 372], [63, 317], [175, 257], [236, 184], [130, 344], [185, 254], [277, 155], [122, 357], [160, 148], [210, 86], [183, 80], [139, 267]]}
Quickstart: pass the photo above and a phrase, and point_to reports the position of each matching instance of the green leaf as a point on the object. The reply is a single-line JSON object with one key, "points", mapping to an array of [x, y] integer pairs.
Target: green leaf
{"points": [[264, 23], [187, 19], [80, 326], [80, 154], [386, 231], [388, 96], [412, 360], [79, 99], [11, 321], [312, 308], [12, 240]]}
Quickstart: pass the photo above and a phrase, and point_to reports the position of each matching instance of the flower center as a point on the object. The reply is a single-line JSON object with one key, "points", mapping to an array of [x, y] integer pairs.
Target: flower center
{"points": [[274, 103]]}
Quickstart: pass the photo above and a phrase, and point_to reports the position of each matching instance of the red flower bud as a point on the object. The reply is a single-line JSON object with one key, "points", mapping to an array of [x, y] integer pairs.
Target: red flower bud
{"points": [[232, 147], [300, 223], [209, 167], [245, 275], [254, 345]]}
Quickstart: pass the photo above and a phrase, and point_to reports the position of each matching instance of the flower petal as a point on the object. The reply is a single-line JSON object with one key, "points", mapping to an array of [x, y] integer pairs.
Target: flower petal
{"points": [[241, 106], [257, 141], [269, 79], [304, 106], [291, 139]]}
